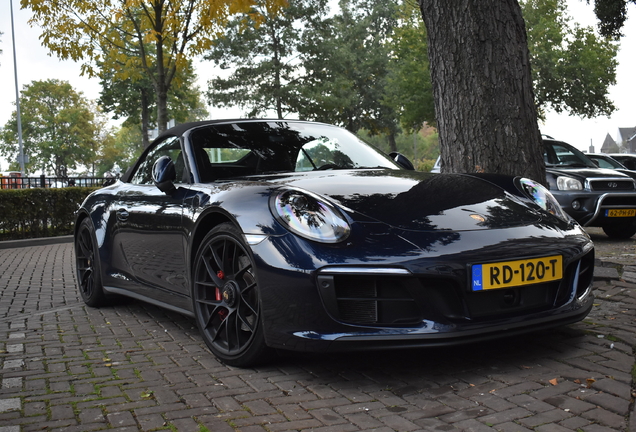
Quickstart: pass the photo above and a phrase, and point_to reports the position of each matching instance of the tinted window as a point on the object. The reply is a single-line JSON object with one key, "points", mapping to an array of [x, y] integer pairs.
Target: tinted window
{"points": [[561, 154], [168, 147]]}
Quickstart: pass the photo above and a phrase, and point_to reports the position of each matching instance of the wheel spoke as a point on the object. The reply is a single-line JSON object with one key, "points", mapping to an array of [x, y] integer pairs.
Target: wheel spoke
{"points": [[87, 282], [245, 298], [211, 272], [241, 272], [85, 245], [250, 326], [219, 259]]}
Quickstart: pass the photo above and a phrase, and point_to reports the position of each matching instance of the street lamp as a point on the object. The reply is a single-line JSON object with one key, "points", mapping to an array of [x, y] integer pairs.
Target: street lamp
{"points": [[17, 95]]}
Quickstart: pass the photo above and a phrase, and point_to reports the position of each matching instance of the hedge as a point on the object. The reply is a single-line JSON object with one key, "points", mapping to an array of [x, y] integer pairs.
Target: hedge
{"points": [[39, 212]]}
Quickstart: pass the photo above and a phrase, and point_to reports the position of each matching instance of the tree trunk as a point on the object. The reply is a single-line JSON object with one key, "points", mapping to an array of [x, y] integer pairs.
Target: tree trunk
{"points": [[392, 143], [482, 86], [145, 118]]}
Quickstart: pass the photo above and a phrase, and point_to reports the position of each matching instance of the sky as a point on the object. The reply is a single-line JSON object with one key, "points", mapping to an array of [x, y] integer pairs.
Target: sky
{"points": [[34, 63]]}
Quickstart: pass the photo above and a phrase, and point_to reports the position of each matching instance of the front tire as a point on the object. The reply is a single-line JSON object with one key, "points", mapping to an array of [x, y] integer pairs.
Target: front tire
{"points": [[88, 270], [623, 230], [226, 299]]}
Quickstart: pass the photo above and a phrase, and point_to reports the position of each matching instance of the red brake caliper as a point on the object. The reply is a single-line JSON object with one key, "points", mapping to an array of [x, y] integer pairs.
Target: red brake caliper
{"points": [[217, 293], [218, 297]]}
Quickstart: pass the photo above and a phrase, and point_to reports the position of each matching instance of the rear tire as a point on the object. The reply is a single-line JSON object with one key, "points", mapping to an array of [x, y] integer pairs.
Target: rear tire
{"points": [[88, 269], [226, 299], [623, 230]]}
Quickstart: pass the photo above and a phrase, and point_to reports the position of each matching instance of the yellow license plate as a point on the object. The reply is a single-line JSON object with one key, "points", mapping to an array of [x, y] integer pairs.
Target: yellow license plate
{"points": [[620, 213], [516, 273]]}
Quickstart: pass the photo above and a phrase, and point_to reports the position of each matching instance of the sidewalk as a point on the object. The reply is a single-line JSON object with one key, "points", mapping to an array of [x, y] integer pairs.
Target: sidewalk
{"points": [[132, 367]]}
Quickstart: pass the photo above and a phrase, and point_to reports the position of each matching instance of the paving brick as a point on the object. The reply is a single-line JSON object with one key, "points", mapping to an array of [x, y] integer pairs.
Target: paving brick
{"points": [[151, 421], [293, 412], [553, 416], [101, 361], [609, 402], [505, 416], [363, 421], [259, 407], [570, 404], [121, 418], [606, 418]]}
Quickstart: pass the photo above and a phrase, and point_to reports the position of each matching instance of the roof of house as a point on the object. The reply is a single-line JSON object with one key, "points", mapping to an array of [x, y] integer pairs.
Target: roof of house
{"points": [[609, 145]]}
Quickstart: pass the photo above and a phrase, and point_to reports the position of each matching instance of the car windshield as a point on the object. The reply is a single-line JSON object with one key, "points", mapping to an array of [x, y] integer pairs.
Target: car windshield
{"points": [[606, 162], [558, 154], [252, 148]]}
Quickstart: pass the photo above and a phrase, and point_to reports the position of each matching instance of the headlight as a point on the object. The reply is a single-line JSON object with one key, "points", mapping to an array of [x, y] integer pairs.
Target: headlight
{"points": [[309, 216], [543, 198], [568, 183]]}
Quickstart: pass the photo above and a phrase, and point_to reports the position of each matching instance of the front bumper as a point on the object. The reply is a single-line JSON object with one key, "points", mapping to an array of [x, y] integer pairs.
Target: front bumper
{"points": [[592, 207], [419, 298]]}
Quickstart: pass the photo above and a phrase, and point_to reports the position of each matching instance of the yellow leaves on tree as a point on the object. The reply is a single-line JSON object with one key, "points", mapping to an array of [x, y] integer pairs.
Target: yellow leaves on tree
{"points": [[152, 38]]}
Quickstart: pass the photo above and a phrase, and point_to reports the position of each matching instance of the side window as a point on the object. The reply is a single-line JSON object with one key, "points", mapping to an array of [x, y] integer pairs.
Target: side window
{"points": [[169, 147]]}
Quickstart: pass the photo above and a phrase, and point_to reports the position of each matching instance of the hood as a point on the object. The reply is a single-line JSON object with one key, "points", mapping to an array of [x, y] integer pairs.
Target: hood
{"points": [[417, 201]]}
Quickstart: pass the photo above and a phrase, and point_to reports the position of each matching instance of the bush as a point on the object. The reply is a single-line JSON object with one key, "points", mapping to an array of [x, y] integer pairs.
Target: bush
{"points": [[38, 212]]}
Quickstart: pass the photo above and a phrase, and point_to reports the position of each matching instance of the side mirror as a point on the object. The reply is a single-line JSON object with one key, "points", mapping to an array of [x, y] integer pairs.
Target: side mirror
{"points": [[402, 161], [164, 174]]}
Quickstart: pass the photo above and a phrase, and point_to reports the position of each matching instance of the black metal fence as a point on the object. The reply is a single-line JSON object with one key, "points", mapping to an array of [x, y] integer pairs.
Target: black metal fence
{"points": [[54, 182]]}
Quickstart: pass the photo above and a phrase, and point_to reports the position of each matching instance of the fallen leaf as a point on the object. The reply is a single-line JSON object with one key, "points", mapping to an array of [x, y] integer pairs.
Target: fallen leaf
{"points": [[590, 381], [577, 381], [554, 381]]}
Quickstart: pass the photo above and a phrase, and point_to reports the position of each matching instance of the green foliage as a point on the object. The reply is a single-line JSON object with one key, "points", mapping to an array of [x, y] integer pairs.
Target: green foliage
{"points": [[612, 15], [422, 148], [132, 98], [59, 128], [410, 91], [39, 212], [263, 58], [120, 152], [572, 67], [347, 68]]}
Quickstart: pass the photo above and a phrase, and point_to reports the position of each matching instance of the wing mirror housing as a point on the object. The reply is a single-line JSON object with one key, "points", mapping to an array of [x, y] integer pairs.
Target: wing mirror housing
{"points": [[164, 174], [402, 161]]}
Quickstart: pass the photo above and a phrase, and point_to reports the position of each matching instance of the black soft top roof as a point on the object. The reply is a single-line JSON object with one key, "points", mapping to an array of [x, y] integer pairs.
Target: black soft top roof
{"points": [[180, 129]]}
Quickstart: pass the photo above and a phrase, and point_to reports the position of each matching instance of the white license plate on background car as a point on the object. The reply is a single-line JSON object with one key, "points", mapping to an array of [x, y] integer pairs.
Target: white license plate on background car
{"points": [[507, 274]]}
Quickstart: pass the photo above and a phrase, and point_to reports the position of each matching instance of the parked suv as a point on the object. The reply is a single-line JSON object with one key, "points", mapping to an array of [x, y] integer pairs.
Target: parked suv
{"points": [[592, 196]]}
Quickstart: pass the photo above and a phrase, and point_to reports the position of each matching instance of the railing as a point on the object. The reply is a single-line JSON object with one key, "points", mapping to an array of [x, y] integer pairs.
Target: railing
{"points": [[54, 182]]}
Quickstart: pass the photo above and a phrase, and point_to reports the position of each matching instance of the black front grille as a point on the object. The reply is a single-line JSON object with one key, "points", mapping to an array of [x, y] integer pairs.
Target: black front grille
{"points": [[375, 300], [612, 185]]}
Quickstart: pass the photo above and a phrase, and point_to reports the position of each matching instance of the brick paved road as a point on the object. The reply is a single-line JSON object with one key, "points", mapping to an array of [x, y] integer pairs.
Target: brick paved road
{"points": [[130, 367]]}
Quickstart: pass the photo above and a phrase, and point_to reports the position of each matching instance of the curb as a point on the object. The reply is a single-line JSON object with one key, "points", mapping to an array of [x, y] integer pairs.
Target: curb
{"points": [[10, 244]]}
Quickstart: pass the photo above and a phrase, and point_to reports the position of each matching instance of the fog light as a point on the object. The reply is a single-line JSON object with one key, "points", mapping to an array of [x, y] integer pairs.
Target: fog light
{"points": [[576, 204]]}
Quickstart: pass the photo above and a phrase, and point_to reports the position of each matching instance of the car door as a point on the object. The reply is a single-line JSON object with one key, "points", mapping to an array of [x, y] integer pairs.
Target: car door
{"points": [[149, 229]]}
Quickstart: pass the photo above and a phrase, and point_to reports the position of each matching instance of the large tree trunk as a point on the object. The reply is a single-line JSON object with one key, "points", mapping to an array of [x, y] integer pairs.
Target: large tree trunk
{"points": [[482, 87]]}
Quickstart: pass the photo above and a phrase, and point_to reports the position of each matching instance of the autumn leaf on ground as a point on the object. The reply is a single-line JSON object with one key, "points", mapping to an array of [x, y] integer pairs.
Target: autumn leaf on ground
{"points": [[554, 381]]}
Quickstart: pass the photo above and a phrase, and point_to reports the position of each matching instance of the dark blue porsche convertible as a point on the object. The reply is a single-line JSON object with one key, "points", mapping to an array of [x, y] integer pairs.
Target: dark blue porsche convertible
{"points": [[277, 234]]}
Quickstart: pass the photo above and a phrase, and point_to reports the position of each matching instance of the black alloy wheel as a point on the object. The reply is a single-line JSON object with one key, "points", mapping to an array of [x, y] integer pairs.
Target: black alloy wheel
{"points": [[87, 265], [226, 298]]}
